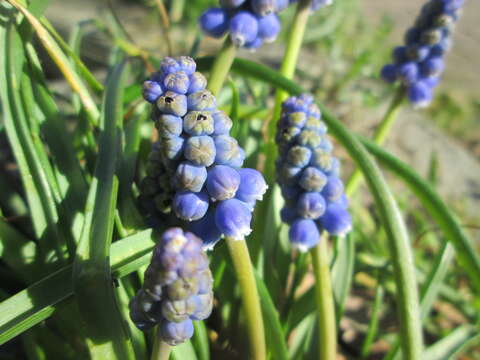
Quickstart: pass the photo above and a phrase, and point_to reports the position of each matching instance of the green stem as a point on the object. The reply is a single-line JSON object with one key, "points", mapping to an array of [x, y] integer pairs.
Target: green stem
{"points": [[327, 340], [290, 58], [287, 69], [251, 301], [176, 10], [221, 66], [161, 350], [374, 321], [380, 135]]}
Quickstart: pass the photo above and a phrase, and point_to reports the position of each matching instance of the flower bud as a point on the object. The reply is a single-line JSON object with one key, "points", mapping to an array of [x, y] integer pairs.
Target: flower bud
{"points": [[336, 220], [174, 333], [198, 123], [243, 28], [190, 206], [172, 103], [200, 150], [190, 177], [201, 101], [151, 91], [304, 234], [198, 82], [268, 27], [233, 218], [252, 186], [312, 179], [223, 182], [177, 82], [311, 205]]}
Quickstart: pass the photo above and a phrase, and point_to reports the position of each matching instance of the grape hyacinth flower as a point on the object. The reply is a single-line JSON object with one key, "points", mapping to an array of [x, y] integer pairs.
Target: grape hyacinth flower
{"points": [[419, 63], [249, 23], [194, 170], [308, 175], [177, 288]]}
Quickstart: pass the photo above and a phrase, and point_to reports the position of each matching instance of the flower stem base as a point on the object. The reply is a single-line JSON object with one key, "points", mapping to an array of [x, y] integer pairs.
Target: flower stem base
{"points": [[250, 299]]}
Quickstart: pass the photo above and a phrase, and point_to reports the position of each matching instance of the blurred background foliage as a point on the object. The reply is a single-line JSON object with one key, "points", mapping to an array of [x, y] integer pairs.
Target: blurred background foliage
{"points": [[344, 49]]}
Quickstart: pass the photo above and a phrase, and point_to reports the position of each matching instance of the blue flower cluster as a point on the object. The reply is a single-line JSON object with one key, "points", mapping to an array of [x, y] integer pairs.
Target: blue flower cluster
{"points": [[250, 23], [420, 62], [177, 288], [196, 159], [308, 175]]}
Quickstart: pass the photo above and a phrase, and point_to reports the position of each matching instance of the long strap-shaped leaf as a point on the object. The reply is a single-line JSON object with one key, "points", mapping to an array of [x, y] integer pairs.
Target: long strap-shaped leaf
{"points": [[39, 194], [36, 303], [93, 284], [447, 221], [62, 62], [401, 253]]}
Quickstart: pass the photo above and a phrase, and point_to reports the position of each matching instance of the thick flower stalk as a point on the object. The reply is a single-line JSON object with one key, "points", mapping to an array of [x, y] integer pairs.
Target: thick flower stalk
{"points": [[419, 63], [177, 288], [195, 169], [308, 175], [249, 23], [316, 4]]}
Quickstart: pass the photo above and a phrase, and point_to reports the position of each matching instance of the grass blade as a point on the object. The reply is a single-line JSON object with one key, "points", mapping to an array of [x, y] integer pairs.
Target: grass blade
{"points": [[20, 312], [93, 283], [62, 62], [36, 184], [34, 304], [273, 329], [200, 340], [18, 252], [342, 272], [438, 210], [82, 69], [453, 344]]}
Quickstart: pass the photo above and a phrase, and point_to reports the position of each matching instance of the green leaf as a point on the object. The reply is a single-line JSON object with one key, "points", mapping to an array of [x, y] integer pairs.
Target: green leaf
{"points": [[234, 107], [36, 303], [374, 322], [184, 351], [455, 342], [19, 252], [438, 210], [342, 272], [200, 340], [273, 329], [128, 164], [93, 283], [437, 275], [80, 66], [28, 307], [62, 62], [35, 180]]}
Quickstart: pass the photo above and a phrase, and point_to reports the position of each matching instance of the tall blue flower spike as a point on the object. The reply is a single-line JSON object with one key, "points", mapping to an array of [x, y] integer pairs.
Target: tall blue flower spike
{"points": [[177, 288], [419, 63], [249, 23], [308, 175], [194, 170]]}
